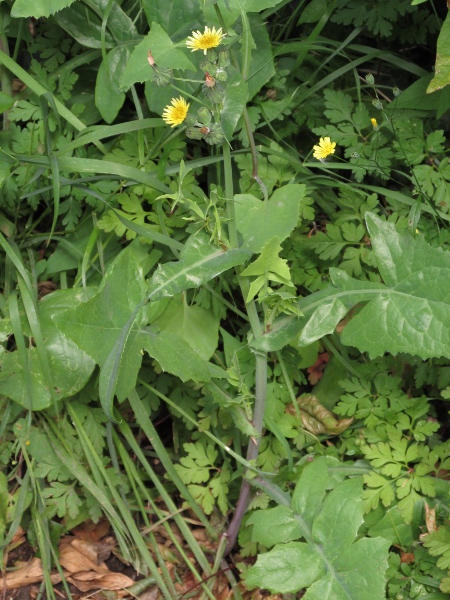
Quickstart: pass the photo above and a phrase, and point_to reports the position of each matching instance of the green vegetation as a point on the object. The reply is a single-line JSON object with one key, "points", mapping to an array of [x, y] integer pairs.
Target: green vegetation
{"points": [[225, 308]]}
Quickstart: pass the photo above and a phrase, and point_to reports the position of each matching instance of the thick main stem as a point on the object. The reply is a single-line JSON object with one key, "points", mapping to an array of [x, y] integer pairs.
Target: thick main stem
{"points": [[252, 451], [261, 363]]}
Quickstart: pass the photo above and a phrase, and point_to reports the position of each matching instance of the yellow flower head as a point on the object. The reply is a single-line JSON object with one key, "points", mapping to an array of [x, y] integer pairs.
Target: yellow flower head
{"points": [[176, 112], [324, 148], [210, 38], [374, 122]]}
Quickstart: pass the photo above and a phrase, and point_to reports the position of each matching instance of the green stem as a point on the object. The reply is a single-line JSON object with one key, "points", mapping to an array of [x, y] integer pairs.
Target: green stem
{"points": [[232, 230], [247, 123], [261, 360]]}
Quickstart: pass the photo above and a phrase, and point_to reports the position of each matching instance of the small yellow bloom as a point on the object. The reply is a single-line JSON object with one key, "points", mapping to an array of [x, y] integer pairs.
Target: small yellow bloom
{"points": [[176, 113], [324, 149], [374, 122], [210, 38]]}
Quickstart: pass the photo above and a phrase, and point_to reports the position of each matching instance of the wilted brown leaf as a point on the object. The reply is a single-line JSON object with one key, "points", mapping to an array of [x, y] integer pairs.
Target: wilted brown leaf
{"points": [[407, 557], [317, 419], [82, 563], [430, 518], [29, 573], [316, 371], [92, 532], [108, 581]]}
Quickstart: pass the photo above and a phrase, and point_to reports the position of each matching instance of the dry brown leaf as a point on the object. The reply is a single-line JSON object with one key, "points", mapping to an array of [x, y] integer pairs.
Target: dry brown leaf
{"points": [[109, 581], [92, 532], [79, 555], [407, 557], [317, 369], [430, 518], [30, 573], [152, 594], [82, 566]]}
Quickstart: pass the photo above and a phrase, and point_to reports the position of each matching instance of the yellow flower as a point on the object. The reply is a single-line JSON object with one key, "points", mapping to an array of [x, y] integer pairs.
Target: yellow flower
{"points": [[324, 149], [374, 122], [175, 114], [210, 38]]}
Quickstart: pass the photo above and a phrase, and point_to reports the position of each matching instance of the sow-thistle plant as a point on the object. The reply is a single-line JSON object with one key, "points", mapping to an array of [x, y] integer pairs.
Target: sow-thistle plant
{"points": [[205, 125]]}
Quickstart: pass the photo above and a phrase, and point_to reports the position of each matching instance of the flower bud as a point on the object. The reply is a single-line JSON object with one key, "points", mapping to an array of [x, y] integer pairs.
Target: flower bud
{"points": [[370, 79], [221, 75], [396, 91], [215, 135], [162, 76], [224, 59], [194, 133], [210, 82], [377, 103], [204, 116], [214, 94], [208, 67], [375, 124], [190, 120], [150, 58], [212, 55]]}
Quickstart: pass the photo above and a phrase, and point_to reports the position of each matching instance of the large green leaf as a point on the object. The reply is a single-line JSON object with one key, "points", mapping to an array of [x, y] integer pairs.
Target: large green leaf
{"points": [[196, 325], [109, 97], [412, 314], [165, 53], [261, 64], [177, 18], [95, 325], [330, 562], [176, 356], [409, 313], [442, 70], [199, 262], [236, 95], [98, 324], [111, 326], [87, 31], [70, 366], [259, 221], [38, 8]]}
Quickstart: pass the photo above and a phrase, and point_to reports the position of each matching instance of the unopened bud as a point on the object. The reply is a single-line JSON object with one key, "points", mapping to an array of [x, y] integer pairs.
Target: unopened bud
{"points": [[204, 116], [193, 133], [162, 76], [215, 135], [190, 120], [396, 92], [221, 75], [151, 60], [377, 103], [370, 79], [208, 67], [214, 94], [210, 82], [212, 55], [224, 59]]}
